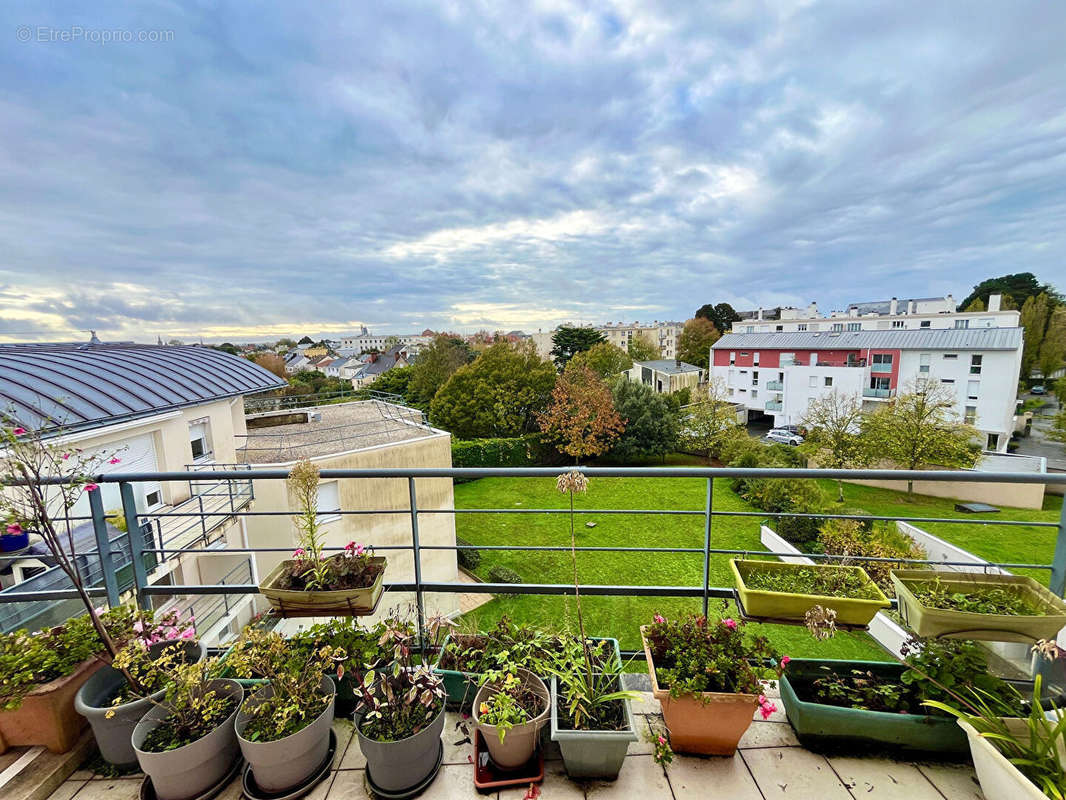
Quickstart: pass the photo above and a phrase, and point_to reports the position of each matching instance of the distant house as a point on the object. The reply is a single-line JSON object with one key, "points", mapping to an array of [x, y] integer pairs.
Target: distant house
{"points": [[377, 364], [297, 362], [665, 375]]}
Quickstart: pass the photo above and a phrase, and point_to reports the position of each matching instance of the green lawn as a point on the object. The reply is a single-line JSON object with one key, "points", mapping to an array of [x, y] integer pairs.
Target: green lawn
{"points": [[621, 616]]}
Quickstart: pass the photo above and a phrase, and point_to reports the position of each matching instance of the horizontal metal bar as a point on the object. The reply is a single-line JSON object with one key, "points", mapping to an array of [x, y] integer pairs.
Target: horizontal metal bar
{"points": [[50, 594], [472, 588], [863, 517]]}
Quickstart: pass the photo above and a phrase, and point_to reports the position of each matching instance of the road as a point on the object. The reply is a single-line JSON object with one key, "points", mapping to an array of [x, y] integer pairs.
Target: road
{"points": [[1037, 443]]}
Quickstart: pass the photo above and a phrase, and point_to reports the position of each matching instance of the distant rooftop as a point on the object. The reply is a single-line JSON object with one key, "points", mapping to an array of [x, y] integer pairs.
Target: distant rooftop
{"points": [[333, 429], [668, 365]]}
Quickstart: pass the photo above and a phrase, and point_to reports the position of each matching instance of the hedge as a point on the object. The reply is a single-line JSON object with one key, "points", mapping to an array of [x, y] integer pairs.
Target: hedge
{"points": [[502, 574], [468, 559], [519, 451]]}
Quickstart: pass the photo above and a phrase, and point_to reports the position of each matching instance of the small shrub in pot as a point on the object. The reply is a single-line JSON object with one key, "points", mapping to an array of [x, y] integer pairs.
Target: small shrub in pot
{"points": [[510, 709]]}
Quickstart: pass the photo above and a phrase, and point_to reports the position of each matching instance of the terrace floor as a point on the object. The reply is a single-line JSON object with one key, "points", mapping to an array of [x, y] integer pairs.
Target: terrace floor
{"points": [[770, 765]]}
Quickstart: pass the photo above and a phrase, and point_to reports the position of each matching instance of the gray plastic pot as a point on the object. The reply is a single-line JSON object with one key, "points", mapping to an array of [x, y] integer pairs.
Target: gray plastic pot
{"points": [[519, 742], [592, 754], [284, 764], [114, 735], [402, 765], [191, 770]]}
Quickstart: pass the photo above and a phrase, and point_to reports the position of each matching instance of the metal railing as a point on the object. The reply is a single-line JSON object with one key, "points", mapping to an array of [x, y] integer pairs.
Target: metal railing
{"points": [[415, 584], [257, 404], [775, 386], [882, 393], [773, 405], [881, 368]]}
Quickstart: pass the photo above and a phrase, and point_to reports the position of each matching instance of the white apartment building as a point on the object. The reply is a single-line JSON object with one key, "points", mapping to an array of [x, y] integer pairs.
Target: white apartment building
{"points": [[353, 345], [664, 334]]}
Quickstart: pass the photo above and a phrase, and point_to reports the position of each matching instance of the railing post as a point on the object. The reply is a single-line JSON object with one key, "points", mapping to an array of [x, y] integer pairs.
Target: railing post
{"points": [[136, 536], [203, 520], [417, 553], [103, 547], [1058, 563], [707, 544]]}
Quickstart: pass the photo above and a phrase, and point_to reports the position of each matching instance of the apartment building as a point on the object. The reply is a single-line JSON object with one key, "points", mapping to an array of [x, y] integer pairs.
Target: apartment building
{"points": [[366, 341], [778, 373], [663, 334]]}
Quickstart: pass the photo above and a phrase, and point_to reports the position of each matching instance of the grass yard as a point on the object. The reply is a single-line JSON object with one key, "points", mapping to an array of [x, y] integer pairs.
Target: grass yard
{"points": [[621, 616]]}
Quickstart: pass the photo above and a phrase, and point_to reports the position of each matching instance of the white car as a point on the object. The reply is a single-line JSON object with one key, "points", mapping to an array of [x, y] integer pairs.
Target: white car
{"points": [[783, 436]]}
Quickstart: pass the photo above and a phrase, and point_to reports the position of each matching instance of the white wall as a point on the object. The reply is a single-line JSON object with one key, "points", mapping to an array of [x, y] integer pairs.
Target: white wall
{"points": [[799, 393]]}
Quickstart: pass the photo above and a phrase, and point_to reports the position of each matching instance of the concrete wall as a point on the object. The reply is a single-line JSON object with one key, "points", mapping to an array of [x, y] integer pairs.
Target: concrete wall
{"points": [[375, 529], [1015, 495]]}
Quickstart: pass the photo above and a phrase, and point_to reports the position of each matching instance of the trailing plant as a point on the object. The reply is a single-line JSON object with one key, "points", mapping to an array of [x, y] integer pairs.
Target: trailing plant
{"points": [[401, 698], [827, 583], [297, 699], [513, 703], [975, 599]]}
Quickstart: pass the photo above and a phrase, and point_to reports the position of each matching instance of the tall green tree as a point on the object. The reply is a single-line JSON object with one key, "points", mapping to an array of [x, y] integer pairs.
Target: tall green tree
{"points": [[708, 423], [605, 359], [919, 428], [1053, 348], [651, 425], [568, 341], [497, 395], [834, 432], [1034, 321], [395, 381], [641, 348], [722, 315], [1019, 287], [435, 364], [694, 343], [580, 418]]}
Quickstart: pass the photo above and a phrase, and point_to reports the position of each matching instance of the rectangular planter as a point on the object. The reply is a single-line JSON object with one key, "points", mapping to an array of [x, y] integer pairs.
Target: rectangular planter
{"points": [[927, 621], [592, 754], [820, 726], [47, 716], [786, 605], [462, 686], [332, 603]]}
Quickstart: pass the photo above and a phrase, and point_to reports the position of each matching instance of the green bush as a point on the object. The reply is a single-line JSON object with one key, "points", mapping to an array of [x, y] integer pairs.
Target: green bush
{"points": [[517, 451], [802, 532], [502, 574], [468, 559], [847, 537]]}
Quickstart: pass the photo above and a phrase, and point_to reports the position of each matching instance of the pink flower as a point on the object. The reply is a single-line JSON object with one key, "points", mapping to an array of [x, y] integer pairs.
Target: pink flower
{"points": [[767, 710], [114, 461], [91, 487], [730, 623], [662, 740], [762, 699], [785, 660], [660, 619], [66, 456], [14, 527], [19, 431], [298, 552]]}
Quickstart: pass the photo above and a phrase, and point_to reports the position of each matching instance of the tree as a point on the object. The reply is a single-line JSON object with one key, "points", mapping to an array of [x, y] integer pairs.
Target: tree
{"points": [[694, 343], [834, 430], [271, 362], [498, 395], [435, 364], [391, 342], [707, 424], [395, 381], [175, 342], [567, 341], [605, 359], [722, 315], [1053, 348], [1057, 431], [227, 347], [641, 348], [306, 340], [1034, 320], [977, 305], [580, 417], [651, 426], [1018, 287], [919, 428], [285, 344]]}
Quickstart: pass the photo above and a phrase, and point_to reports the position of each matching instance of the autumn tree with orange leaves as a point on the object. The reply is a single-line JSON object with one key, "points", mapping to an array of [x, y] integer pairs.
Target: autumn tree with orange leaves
{"points": [[580, 417]]}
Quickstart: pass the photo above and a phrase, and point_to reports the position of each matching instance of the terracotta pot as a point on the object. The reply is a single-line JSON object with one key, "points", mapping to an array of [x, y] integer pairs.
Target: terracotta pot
{"points": [[47, 716], [708, 723]]}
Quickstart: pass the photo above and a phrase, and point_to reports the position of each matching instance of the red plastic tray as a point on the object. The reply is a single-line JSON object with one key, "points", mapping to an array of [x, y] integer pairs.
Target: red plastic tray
{"points": [[488, 777]]}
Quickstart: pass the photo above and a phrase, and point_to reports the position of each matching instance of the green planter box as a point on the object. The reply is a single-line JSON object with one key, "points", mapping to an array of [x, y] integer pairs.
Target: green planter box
{"points": [[789, 606], [462, 686], [824, 727], [927, 621]]}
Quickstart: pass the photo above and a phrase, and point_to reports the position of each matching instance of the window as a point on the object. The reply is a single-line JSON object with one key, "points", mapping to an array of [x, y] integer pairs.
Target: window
{"points": [[732, 358], [802, 326], [730, 392], [153, 499], [923, 362], [962, 323], [924, 323], [755, 358], [948, 381], [972, 388], [837, 326], [329, 501], [751, 329], [828, 381], [971, 415], [993, 441], [897, 323], [813, 383], [754, 393], [744, 353], [951, 356], [779, 327], [199, 440], [880, 383], [788, 359], [854, 326], [882, 358], [755, 377], [975, 365]]}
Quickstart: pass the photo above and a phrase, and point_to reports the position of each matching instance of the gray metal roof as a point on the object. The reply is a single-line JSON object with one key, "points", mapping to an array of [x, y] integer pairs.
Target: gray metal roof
{"points": [[668, 365], [78, 386], [922, 339]]}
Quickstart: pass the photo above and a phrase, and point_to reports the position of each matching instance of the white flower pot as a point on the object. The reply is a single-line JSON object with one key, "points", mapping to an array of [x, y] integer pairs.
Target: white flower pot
{"points": [[1000, 779]]}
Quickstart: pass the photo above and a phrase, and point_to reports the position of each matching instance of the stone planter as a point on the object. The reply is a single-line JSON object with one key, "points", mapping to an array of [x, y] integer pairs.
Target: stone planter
{"points": [[397, 767], [592, 754], [284, 764], [709, 724], [787, 605], [189, 771], [519, 742], [329, 603], [47, 716], [1000, 779], [114, 735]]}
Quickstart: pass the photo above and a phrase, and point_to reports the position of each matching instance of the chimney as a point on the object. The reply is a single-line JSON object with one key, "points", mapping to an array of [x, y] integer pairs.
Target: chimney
{"points": [[893, 306], [995, 302], [760, 313], [812, 309], [911, 307]]}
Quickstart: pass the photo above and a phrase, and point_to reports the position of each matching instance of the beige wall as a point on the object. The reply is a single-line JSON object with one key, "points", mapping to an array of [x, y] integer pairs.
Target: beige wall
{"points": [[376, 529]]}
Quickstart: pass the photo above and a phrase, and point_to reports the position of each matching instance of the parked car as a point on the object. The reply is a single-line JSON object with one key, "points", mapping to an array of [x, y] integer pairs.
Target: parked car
{"points": [[784, 436], [1038, 390]]}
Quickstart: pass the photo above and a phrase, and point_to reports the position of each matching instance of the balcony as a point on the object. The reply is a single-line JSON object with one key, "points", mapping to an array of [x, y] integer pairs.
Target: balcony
{"points": [[775, 386], [773, 405], [883, 369], [878, 394]]}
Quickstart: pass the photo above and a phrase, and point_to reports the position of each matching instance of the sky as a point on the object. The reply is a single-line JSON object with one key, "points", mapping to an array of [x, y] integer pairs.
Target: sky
{"points": [[244, 171]]}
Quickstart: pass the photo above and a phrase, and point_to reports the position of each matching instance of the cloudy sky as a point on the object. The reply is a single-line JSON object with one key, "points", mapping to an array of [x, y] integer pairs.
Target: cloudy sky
{"points": [[251, 171]]}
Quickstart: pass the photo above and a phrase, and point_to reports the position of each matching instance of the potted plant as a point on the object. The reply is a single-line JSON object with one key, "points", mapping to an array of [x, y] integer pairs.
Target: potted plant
{"points": [[402, 707], [311, 584], [591, 717], [776, 590], [41, 672], [856, 705], [1007, 608], [510, 709], [708, 675], [186, 743], [283, 728], [114, 699]]}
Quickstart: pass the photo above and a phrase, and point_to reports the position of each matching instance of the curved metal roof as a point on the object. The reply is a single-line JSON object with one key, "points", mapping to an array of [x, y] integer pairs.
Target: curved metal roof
{"points": [[78, 386]]}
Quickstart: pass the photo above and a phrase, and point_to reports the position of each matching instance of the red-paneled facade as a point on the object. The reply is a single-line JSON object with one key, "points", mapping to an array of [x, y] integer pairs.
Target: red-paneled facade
{"points": [[771, 359]]}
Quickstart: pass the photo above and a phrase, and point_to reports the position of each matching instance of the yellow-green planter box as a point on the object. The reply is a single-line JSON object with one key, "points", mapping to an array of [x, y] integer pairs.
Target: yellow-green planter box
{"points": [[330, 603], [929, 621], [789, 606]]}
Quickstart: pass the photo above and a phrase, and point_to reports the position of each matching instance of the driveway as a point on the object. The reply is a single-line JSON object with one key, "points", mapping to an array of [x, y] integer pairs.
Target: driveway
{"points": [[1037, 443]]}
